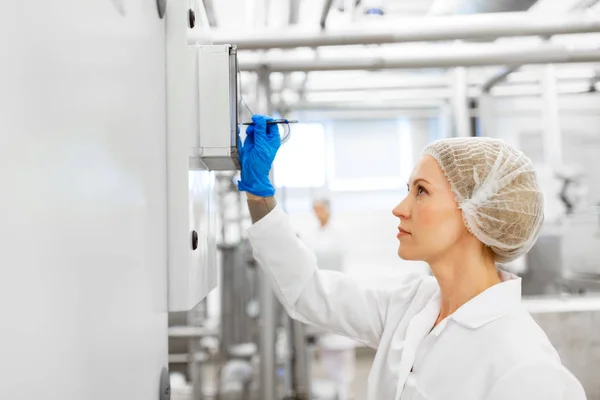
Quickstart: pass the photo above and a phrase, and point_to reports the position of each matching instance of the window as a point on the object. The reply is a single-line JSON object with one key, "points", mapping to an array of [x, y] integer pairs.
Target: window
{"points": [[300, 163], [369, 154]]}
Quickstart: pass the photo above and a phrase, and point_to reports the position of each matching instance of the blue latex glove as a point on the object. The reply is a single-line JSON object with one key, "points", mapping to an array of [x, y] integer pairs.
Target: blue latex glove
{"points": [[257, 155]]}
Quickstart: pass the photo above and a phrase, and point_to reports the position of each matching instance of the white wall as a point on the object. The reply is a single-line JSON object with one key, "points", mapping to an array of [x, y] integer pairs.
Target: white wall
{"points": [[82, 208]]}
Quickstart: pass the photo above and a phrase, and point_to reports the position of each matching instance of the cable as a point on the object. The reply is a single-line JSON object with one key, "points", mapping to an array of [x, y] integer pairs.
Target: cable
{"points": [[286, 122], [242, 101]]}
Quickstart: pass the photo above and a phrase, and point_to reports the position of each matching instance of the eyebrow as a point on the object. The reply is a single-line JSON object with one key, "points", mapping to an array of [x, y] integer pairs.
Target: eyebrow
{"points": [[416, 181]]}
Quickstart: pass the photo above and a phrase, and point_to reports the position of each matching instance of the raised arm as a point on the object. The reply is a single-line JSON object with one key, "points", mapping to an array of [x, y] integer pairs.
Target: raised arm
{"points": [[327, 299]]}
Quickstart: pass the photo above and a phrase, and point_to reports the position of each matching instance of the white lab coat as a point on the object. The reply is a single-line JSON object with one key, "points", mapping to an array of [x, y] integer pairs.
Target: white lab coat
{"points": [[489, 349], [327, 244]]}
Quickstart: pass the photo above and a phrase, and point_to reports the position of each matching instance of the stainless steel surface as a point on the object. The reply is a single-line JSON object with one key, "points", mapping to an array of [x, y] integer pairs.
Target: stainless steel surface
{"points": [[539, 54], [467, 27]]}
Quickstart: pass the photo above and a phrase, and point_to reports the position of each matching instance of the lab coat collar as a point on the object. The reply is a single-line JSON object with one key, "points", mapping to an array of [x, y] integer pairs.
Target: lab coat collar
{"points": [[491, 304]]}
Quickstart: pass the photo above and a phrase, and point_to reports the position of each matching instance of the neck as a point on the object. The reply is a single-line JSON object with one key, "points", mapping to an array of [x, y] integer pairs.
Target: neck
{"points": [[462, 275]]}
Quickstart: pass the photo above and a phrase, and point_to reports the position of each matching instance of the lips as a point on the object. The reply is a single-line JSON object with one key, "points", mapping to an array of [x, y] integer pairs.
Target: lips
{"points": [[402, 232]]}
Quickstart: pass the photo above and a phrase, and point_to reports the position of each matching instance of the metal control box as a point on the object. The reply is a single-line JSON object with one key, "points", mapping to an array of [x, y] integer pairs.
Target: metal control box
{"points": [[218, 107]]}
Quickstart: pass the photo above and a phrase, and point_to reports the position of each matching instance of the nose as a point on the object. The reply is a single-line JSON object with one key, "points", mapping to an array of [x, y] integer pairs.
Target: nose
{"points": [[402, 210]]}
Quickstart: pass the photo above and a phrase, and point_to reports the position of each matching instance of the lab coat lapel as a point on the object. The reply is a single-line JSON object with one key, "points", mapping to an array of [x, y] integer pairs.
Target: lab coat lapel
{"points": [[418, 329]]}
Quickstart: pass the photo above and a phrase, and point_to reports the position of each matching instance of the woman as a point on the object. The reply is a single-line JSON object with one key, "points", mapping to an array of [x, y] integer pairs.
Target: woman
{"points": [[461, 334]]}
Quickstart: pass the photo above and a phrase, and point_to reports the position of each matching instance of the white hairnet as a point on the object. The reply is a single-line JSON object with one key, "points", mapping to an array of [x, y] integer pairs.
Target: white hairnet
{"points": [[496, 189]]}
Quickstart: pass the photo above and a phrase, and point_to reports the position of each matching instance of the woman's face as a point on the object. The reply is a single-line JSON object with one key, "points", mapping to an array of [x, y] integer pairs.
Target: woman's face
{"points": [[430, 220]]}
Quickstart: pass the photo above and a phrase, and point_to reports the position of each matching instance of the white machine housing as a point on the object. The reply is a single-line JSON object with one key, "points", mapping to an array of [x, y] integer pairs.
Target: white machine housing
{"points": [[201, 138]]}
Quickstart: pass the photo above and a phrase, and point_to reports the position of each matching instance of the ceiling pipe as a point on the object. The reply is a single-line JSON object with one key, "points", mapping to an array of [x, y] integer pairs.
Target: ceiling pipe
{"points": [[416, 81], [438, 84], [505, 72], [526, 55], [464, 27], [325, 13], [403, 104], [441, 7], [430, 96], [496, 79]]}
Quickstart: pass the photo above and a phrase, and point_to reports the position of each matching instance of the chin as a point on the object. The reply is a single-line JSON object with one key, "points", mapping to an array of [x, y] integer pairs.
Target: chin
{"points": [[407, 255]]}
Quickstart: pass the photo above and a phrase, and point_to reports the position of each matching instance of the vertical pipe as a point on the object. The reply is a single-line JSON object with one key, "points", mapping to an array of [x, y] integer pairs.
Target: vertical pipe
{"points": [[268, 311], [325, 12], [227, 300], [460, 103], [195, 362], [268, 321], [301, 361], [486, 115], [294, 12], [497, 78], [551, 118], [445, 116]]}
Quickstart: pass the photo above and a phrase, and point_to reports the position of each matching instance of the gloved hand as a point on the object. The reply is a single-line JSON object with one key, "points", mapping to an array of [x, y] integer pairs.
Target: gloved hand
{"points": [[257, 155]]}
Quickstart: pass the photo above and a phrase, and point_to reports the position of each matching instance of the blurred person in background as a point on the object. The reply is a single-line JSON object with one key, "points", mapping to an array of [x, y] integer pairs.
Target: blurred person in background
{"points": [[336, 352]]}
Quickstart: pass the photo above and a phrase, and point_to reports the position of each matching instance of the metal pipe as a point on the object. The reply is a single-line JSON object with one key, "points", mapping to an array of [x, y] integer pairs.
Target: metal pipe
{"points": [[460, 103], [541, 54], [479, 6], [268, 336], [496, 79], [268, 311], [325, 13], [487, 115], [301, 362], [551, 119], [504, 73], [294, 12], [420, 82], [402, 98], [393, 106], [464, 27]]}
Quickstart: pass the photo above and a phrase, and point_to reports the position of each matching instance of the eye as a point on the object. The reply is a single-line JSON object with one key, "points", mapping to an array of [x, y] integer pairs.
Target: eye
{"points": [[421, 190]]}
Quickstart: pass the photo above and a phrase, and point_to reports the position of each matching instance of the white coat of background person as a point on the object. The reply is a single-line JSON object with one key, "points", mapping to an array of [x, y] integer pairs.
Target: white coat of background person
{"points": [[337, 353], [461, 334]]}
